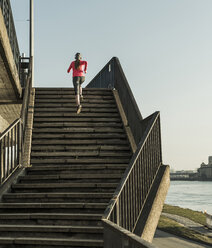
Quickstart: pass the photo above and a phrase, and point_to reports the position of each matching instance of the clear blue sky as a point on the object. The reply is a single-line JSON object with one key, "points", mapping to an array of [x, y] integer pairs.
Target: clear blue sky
{"points": [[164, 46]]}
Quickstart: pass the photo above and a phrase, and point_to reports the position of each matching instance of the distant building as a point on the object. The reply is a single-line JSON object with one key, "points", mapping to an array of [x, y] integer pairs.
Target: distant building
{"points": [[184, 175], [205, 170]]}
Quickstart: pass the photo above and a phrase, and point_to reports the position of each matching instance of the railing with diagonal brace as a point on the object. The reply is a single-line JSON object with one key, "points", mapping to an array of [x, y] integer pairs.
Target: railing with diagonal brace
{"points": [[129, 199], [10, 150], [127, 203], [13, 138]]}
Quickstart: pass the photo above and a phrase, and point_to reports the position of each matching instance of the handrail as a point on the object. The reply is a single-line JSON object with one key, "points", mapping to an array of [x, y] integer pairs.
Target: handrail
{"points": [[10, 150], [13, 138], [112, 76], [128, 101], [140, 170], [132, 193], [10, 26]]}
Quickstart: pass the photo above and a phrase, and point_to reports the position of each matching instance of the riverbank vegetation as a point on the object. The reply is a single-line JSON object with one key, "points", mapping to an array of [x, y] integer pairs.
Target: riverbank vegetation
{"points": [[168, 225], [196, 216]]}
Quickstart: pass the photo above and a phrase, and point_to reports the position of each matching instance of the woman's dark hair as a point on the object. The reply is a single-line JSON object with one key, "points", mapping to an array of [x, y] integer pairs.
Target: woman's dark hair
{"points": [[77, 61]]}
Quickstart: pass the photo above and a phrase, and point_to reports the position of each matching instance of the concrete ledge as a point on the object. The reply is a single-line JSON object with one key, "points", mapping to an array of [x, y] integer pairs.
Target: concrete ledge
{"points": [[150, 214], [125, 121], [28, 131], [118, 237], [208, 220]]}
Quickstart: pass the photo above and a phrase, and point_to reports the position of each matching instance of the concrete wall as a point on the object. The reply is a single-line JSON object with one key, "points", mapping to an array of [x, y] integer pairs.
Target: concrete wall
{"points": [[118, 237], [150, 215], [10, 88], [8, 114]]}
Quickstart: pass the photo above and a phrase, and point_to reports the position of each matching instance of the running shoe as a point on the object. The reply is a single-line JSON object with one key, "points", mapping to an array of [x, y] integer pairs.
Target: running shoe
{"points": [[79, 108]]}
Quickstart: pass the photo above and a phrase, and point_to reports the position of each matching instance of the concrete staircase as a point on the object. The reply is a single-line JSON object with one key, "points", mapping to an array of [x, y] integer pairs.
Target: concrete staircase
{"points": [[77, 163]]}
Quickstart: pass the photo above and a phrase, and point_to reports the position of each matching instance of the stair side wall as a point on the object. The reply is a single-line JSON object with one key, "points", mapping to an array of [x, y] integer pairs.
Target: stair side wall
{"points": [[147, 224], [29, 127]]}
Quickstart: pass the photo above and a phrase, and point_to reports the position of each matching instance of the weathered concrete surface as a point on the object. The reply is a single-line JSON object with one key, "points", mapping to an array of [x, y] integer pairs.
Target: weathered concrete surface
{"points": [[118, 237], [8, 114], [10, 87], [156, 207], [29, 127], [166, 240]]}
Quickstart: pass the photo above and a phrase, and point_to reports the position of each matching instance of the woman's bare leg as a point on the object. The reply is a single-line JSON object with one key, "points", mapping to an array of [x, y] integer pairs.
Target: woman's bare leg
{"points": [[77, 100], [80, 90]]}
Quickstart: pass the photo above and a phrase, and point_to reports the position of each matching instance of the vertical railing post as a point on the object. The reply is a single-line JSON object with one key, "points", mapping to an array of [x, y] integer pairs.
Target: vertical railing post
{"points": [[1, 160], [117, 213], [12, 150], [4, 157], [19, 143], [8, 154]]}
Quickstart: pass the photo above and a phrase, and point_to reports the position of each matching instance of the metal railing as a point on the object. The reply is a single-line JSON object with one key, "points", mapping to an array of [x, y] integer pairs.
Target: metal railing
{"points": [[130, 197], [127, 203], [112, 76], [10, 150], [9, 23], [13, 138]]}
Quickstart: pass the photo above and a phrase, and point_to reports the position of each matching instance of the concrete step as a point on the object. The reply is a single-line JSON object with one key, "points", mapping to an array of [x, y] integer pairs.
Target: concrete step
{"points": [[79, 154], [83, 114], [76, 169], [73, 101], [51, 231], [72, 96], [80, 142], [64, 161], [78, 130], [69, 178], [51, 219], [57, 197], [32, 242], [86, 109], [77, 119], [80, 148], [49, 207], [71, 105], [70, 186], [62, 91], [76, 124], [78, 136]]}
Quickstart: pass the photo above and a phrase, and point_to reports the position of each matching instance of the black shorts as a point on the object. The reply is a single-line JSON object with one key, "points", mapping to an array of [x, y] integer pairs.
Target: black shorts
{"points": [[77, 81]]}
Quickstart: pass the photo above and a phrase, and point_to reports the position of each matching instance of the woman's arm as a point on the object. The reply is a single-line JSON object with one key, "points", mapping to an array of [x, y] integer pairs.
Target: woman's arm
{"points": [[86, 64], [70, 67]]}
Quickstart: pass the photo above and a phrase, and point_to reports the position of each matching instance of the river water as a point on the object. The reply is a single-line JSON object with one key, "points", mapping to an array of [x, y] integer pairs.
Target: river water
{"points": [[195, 195]]}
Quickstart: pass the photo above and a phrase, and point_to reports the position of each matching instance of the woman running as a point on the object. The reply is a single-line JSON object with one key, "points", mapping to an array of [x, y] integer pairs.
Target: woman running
{"points": [[79, 67]]}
